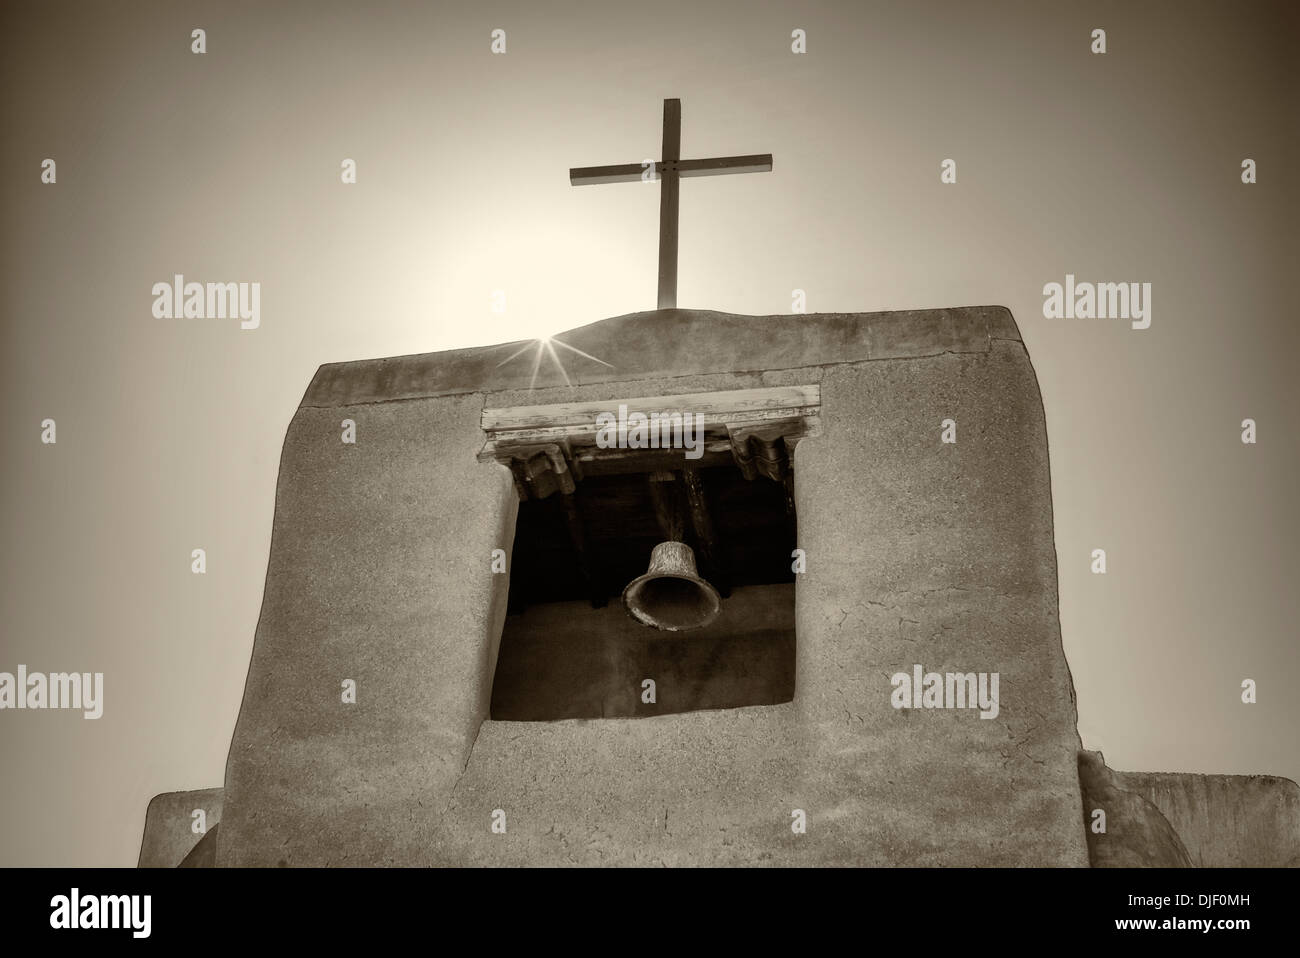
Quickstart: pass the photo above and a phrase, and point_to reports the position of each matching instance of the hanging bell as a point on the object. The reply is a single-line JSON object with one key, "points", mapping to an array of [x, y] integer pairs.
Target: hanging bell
{"points": [[671, 595]]}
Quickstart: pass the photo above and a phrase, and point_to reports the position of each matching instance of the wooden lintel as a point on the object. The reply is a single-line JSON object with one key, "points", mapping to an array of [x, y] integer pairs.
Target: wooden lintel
{"points": [[716, 407], [754, 427]]}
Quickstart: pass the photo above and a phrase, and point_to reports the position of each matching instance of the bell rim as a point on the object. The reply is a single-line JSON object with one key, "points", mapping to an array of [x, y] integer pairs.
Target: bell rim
{"points": [[716, 596]]}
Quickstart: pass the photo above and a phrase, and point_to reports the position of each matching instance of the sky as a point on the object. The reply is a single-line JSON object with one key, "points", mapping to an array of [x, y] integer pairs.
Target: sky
{"points": [[226, 166]]}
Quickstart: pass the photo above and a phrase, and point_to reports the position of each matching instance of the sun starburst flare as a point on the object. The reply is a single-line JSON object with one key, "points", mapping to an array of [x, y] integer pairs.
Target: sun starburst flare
{"points": [[547, 344]]}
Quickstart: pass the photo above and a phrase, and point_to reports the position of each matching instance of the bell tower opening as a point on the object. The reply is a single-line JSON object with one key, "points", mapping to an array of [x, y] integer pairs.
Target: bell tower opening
{"points": [[576, 644], [644, 581]]}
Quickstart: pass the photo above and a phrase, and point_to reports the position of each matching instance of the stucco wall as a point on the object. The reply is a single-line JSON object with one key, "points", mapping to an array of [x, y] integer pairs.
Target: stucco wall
{"points": [[917, 552], [942, 555], [169, 825], [1226, 821], [379, 572]]}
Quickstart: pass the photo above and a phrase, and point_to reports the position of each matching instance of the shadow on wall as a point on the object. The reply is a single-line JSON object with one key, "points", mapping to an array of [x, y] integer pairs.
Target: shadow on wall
{"points": [[566, 660], [1186, 820], [204, 854]]}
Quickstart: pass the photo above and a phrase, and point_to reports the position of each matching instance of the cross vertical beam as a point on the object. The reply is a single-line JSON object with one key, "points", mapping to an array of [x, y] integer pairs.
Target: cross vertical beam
{"points": [[672, 152]]}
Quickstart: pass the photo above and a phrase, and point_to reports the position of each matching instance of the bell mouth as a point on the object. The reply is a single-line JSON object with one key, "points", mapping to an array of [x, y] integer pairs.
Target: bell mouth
{"points": [[673, 603]]}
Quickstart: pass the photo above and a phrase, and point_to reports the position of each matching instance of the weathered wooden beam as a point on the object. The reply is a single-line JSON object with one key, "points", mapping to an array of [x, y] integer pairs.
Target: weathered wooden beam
{"points": [[540, 469], [706, 538], [618, 173], [754, 163], [773, 402], [578, 537], [613, 462], [760, 450], [667, 505], [668, 202], [724, 421], [631, 172]]}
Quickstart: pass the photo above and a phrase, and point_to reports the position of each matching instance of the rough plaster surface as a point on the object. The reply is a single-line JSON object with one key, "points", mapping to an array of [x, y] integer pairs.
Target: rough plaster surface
{"points": [[942, 555], [380, 573], [700, 788], [168, 825], [918, 552], [671, 343], [1226, 821]]}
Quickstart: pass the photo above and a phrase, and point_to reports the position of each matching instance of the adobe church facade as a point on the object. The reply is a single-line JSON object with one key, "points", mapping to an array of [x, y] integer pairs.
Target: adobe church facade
{"points": [[443, 673]]}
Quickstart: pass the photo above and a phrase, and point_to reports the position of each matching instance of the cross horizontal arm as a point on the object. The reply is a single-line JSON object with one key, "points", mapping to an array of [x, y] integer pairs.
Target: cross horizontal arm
{"points": [[755, 163], [589, 175], [629, 172]]}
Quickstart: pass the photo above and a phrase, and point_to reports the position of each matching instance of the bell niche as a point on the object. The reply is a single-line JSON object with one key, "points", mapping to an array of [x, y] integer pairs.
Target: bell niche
{"points": [[644, 582]]}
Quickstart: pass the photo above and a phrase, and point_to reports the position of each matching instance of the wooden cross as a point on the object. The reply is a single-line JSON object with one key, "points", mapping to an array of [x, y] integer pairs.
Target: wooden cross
{"points": [[670, 169]]}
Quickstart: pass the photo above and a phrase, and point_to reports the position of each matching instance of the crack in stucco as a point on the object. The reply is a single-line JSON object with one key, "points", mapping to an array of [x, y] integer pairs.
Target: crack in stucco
{"points": [[469, 754], [900, 597]]}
